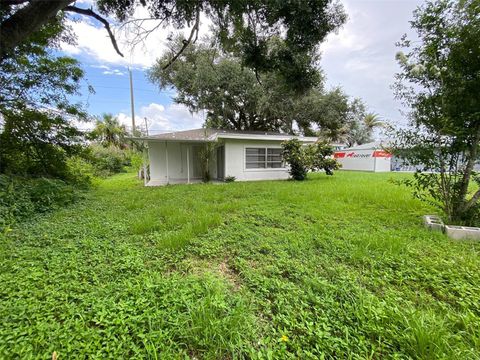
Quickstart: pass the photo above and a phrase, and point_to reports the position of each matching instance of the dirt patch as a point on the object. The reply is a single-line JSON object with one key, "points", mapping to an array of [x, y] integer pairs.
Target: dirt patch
{"points": [[222, 269], [229, 274]]}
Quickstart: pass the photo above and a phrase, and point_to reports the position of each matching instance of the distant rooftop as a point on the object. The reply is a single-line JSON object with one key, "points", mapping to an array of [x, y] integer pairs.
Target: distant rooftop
{"points": [[203, 135]]}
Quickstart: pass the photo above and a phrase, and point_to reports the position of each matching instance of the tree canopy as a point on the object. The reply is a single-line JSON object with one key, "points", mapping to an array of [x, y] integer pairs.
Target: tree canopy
{"points": [[440, 82], [39, 133], [207, 78], [242, 27], [108, 131]]}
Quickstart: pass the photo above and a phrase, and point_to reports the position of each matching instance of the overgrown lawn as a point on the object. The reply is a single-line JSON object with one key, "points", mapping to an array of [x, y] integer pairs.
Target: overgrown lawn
{"points": [[334, 267]]}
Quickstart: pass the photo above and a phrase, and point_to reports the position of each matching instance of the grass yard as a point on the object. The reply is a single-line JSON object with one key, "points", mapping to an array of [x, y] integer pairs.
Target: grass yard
{"points": [[334, 267]]}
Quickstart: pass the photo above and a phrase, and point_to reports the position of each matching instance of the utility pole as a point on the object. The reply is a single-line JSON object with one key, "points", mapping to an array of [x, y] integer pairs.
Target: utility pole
{"points": [[132, 102]]}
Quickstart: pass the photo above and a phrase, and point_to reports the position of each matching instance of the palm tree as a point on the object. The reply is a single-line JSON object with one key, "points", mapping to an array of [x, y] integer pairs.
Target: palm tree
{"points": [[108, 131], [372, 121]]}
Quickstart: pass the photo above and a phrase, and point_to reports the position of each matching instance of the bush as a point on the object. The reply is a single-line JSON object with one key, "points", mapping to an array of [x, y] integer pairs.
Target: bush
{"points": [[21, 198], [108, 160], [302, 158], [80, 172], [295, 156], [38, 144], [229, 179]]}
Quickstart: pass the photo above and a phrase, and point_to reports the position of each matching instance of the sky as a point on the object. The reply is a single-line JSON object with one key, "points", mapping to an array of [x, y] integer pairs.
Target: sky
{"points": [[360, 58]]}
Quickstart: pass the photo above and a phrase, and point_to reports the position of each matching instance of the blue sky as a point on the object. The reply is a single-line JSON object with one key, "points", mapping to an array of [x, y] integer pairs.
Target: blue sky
{"points": [[359, 58]]}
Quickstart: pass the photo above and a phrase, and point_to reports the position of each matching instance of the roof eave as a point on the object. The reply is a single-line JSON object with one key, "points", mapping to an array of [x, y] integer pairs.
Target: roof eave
{"points": [[265, 137], [152, 139]]}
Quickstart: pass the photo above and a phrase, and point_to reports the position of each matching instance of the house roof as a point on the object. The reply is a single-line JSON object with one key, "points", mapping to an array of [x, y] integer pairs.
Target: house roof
{"points": [[206, 135], [370, 146]]}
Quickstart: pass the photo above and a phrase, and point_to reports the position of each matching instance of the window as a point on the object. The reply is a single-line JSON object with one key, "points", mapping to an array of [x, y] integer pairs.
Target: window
{"points": [[261, 158], [274, 158], [255, 158]]}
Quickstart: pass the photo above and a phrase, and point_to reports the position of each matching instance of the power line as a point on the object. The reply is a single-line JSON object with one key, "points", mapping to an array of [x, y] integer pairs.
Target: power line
{"points": [[124, 88]]}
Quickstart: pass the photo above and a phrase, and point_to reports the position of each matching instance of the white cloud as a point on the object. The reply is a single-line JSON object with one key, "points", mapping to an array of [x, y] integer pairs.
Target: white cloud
{"points": [[87, 3], [163, 118], [361, 57], [93, 41], [348, 38], [100, 67], [113, 72]]}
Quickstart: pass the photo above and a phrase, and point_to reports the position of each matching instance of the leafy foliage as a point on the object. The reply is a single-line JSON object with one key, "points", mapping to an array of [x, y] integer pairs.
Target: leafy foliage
{"points": [[38, 135], [206, 156], [109, 160], [372, 121], [35, 77], [296, 158], [20, 199], [109, 132], [38, 143], [321, 158], [245, 29], [302, 158], [334, 267], [440, 80], [205, 78], [354, 130]]}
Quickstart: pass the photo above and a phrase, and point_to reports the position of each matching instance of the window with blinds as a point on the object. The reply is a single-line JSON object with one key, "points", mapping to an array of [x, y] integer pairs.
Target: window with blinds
{"points": [[261, 158]]}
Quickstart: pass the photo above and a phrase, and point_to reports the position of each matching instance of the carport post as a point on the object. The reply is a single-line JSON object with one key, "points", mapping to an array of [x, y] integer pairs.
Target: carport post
{"points": [[166, 160], [188, 164]]}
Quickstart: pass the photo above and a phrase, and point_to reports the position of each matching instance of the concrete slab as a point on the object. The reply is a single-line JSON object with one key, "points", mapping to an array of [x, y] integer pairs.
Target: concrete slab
{"points": [[462, 232]]}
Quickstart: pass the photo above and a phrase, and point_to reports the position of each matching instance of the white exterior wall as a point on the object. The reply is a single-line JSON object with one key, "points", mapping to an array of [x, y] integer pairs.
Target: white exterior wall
{"points": [[383, 164], [235, 161], [177, 162]]}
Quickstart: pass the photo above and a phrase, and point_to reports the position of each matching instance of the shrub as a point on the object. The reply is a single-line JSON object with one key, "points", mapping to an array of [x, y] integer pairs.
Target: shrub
{"points": [[108, 160], [21, 198], [302, 158], [48, 194], [320, 158], [296, 158], [80, 172], [206, 157], [14, 202], [229, 179], [37, 143]]}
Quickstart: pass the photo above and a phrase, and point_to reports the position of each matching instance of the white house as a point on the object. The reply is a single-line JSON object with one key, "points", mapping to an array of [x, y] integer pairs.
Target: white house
{"points": [[176, 157]]}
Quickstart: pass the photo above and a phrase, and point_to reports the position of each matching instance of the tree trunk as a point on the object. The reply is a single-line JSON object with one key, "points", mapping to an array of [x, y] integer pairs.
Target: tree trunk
{"points": [[27, 20], [463, 205]]}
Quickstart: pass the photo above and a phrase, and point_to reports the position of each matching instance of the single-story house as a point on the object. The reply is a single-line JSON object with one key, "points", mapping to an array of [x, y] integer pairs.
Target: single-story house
{"points": [[179, 157]]}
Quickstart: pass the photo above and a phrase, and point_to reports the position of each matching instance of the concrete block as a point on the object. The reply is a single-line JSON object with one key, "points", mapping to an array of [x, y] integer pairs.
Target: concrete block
{"points": [[462, 232], [433, 222]]}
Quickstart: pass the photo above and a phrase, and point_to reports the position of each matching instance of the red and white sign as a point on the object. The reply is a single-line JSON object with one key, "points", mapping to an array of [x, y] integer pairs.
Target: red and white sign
{"points": [[381, 153], [364, 159], [353, 154]]}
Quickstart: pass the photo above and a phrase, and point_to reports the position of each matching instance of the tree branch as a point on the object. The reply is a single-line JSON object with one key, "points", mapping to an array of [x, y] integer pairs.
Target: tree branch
{"points": [[473, 200], [12, 2], [90, 12], [188, 41], [27, 20]]}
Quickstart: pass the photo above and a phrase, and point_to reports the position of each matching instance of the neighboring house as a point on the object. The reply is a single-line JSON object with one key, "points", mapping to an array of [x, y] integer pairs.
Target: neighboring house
{"points": [[176, 157], [366, 157]]}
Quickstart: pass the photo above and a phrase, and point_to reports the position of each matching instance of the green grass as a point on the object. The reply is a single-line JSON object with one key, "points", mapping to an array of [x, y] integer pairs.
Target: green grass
{"points": [[339, 267]]}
